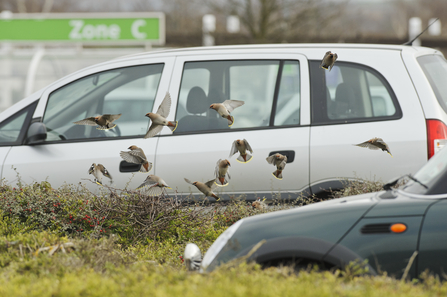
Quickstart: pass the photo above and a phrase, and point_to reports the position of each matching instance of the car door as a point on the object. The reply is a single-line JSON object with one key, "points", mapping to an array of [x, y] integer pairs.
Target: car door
{"points": [[361, 99], [129, 87], [274, 118]]}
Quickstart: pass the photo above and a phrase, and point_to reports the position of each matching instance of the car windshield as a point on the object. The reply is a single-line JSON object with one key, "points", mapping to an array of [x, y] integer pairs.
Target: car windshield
{"points": [[435, 68], [433, 175]]}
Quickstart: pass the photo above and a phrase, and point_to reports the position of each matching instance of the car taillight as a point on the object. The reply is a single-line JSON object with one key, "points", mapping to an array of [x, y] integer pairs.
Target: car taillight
{"points": [[436, 136]]}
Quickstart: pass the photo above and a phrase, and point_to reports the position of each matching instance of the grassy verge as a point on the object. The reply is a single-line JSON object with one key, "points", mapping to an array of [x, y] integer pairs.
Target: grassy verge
{"points": [[70, 242]]}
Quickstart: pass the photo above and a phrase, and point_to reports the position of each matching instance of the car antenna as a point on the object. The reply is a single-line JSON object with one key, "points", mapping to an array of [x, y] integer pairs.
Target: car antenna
{"points": [[411, 41]]}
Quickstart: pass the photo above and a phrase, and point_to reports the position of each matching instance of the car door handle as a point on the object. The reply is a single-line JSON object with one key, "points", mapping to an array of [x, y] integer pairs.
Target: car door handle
{"points": [[129, 167], [289, 154]]}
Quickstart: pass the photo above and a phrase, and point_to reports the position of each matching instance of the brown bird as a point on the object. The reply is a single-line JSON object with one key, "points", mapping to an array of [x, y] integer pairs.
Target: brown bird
{"points": [[136, 155], [98, 171], [242, 147], [328, 60], [280, 162], [221, 172], [154, 185], [375, 144], [258, 204], [206, 188], [159, 119], [224, 109], [104, 122]]}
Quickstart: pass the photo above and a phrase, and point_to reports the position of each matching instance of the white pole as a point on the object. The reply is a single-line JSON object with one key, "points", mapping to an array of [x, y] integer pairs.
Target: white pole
{"points": [[32, 69]]}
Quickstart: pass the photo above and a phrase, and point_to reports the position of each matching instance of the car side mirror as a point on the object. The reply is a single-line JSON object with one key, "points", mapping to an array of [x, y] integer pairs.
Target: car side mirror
{"points": [[37, 133]]}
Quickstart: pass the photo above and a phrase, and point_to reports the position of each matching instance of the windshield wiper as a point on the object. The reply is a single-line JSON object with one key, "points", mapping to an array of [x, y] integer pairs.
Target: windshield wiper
{"points": [[387, 186]]}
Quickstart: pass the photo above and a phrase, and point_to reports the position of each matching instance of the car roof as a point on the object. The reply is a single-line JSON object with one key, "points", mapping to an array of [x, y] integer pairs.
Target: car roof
{"points": [[295, 46]]}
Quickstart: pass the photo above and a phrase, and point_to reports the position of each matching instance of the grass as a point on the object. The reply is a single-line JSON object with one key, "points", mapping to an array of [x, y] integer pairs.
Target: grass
{"points": [[51, 244]]}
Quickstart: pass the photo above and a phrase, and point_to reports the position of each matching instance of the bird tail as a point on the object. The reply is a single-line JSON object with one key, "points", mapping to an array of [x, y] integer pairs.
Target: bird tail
{"points": [[172, 125], [230, 119], [277, 174], [389, 153], [244, 158], [221, 182], [215, 196]]}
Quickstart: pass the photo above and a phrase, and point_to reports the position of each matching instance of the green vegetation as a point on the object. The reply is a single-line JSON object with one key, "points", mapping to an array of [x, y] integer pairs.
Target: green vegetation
{"points": [[70, 242]]}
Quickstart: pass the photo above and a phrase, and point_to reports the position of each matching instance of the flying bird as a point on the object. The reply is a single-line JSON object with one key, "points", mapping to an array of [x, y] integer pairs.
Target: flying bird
{"points": [[375, 144], [154, 185], [206, 188], [98, 172], [224, 109], [104, 122], [280, 162], [328, 60], [221, 172], [242, 147], [159, 119], [192, 257], [136, 155], [258, 204]]}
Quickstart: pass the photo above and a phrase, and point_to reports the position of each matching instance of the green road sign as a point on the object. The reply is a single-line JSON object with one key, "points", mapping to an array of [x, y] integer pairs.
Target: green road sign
{"points": [[86, 28]]}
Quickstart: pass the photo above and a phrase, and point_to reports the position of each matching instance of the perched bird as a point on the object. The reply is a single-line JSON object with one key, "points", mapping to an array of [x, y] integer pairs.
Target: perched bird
{"points": [[159, 119], [136, 155], [242, 147], [192, 257], [104, 122], [224, 109], [154, 185], [328, 60], [258, 204], [98, 171], [280, 162], [375, 144], [206, 188], [221, 172]]}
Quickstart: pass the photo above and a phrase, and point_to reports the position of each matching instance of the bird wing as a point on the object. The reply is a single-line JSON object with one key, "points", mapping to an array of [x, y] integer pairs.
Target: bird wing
{"points": [[247, 146], [211, 184], [111, 117], [230, 105], [92, 169], [188, 181], [104, 171], [367, 144], [271, 159], [234, 149], [154, 129], [128, 157], [138, 153], [323, 62], [335, 57], [165, 106], [87, 121], [216, 171], [154, 191], [148, 183]]}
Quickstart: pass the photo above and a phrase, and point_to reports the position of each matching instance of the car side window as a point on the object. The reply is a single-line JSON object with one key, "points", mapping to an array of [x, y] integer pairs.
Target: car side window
{"points": [[263, 85], [350, 93], [130, 91], [12, 130]]}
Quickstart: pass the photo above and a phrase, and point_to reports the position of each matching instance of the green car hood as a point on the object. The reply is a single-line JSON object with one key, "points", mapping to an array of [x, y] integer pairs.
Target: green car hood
{"points": [[328, 221]]}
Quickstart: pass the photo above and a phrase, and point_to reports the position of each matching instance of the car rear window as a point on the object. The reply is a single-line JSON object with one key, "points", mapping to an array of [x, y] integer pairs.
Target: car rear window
{"points": [[435, 69], [350, 93]]}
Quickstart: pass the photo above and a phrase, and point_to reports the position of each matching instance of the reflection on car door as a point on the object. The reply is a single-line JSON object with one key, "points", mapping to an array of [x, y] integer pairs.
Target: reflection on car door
{"points": [[274, 118], [69, 150]]}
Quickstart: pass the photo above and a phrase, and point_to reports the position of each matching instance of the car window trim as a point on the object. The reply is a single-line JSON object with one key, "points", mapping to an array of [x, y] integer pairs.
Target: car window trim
{"points": [[276, 93]]}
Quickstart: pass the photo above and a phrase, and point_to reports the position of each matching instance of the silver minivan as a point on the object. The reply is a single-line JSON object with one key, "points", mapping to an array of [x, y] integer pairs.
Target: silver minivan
{"points": [[292, 106]]}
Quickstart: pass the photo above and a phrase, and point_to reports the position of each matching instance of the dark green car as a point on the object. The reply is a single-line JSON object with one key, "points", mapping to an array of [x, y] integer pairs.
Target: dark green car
{"points": [[386, 228]]}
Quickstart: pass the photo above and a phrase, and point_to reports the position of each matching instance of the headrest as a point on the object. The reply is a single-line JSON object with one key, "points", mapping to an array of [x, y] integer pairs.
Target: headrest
{"points": [[196, 102]]}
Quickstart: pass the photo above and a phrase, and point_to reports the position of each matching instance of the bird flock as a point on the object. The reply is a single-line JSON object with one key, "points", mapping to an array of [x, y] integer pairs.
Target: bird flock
{"points": [[154, 185]]}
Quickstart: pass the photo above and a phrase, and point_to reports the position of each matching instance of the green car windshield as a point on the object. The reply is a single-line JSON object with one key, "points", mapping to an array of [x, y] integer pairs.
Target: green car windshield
{"points": [[433, 175]]}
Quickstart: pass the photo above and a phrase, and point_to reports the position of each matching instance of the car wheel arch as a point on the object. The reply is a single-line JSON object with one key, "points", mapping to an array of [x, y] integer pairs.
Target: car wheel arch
{"points": [[311, 250]]}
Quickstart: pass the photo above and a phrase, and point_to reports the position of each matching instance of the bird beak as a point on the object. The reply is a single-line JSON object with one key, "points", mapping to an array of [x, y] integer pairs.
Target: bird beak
{"points": [[147, 115], [229, 163]]}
